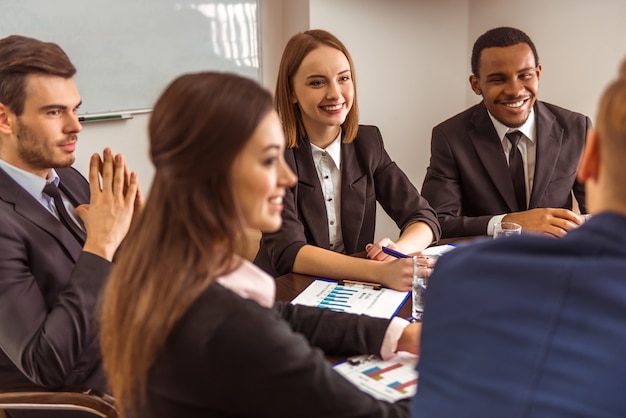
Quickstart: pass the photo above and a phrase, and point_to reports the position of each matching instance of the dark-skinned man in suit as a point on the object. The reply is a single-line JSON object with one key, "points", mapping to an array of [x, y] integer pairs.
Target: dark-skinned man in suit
{"points": [[469, 182], [530, 326]]}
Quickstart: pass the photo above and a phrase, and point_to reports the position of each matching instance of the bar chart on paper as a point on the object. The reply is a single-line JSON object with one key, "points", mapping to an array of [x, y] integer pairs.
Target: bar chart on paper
{"points": [[388, 380], [352, 298], [340, 298]]}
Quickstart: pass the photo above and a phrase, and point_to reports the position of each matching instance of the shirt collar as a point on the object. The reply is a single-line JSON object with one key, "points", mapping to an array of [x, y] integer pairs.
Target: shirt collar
{"points": [[333, 150], [30, 182], [528, 128], [250, 282]]}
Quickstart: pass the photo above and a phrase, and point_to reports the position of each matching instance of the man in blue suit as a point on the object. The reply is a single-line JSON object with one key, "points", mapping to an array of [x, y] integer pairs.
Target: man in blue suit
{"points": [[530, 326]]}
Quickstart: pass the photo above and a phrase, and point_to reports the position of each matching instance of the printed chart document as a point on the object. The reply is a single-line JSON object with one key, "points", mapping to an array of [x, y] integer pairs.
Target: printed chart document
{"points": [[438, 249], [352, 297], [387, 380]]}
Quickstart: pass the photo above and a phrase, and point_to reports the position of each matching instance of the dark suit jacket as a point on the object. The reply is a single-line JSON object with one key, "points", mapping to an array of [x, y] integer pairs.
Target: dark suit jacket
{"points": [[468, 180], [231, 357], [367, 175], [48, 293], [528, 326]]}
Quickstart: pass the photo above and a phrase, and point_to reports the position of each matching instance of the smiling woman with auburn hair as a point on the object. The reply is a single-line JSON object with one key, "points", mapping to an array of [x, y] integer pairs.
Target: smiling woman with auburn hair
{"points": [[344, 171]]}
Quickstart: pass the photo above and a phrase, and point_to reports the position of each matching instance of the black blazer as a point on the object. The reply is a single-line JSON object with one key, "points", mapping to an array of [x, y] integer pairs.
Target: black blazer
{"points": [[368, 175], [231, 357], [468, 181], [48, 293]]}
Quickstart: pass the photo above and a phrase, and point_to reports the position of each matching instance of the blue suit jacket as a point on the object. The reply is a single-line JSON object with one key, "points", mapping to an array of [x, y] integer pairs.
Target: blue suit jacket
{"points": [[528, 326]]}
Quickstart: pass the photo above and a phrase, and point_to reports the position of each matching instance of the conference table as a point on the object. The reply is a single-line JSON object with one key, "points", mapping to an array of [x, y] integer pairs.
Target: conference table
{"points": [[290, 285]]}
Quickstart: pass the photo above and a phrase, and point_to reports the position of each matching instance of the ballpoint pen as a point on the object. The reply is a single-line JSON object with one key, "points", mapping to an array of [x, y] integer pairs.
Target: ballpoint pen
{"points": [[394, 253]]}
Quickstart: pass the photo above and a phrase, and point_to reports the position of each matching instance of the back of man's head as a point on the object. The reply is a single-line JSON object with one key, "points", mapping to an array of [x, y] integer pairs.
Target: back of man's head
{"points": [[611, 128], [21, 56], [501, 37]]}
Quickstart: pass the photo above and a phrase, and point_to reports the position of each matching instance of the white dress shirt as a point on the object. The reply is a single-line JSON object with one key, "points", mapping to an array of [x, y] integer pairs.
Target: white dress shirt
{"points": [[527, 146], [34, 185], [328, 166]]}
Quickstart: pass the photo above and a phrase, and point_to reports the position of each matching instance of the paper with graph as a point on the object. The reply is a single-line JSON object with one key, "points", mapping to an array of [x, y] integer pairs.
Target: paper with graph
{"points": [[387, 380], [356, 298]]}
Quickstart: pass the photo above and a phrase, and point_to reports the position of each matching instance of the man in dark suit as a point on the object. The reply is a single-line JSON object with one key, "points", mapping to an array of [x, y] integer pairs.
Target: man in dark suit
{"points": [[470, 182], [50, 273], [529, 326]]}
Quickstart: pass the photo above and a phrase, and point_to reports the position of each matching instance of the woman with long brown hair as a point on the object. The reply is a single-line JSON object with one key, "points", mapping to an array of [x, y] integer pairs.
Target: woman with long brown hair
{"points": [[190, 329]]}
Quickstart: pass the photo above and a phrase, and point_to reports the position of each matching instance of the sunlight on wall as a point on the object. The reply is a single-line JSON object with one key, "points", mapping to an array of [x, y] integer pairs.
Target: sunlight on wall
{"points": [[234, 31]]}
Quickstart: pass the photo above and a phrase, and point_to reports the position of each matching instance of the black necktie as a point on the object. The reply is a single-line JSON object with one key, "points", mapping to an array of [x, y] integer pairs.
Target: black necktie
{"points": [[516, 168], [53, 191]]}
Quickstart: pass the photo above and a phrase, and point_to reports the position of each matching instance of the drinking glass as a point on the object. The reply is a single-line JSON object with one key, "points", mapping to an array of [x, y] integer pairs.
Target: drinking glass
{"points": [[423, 265], [506, 229]]}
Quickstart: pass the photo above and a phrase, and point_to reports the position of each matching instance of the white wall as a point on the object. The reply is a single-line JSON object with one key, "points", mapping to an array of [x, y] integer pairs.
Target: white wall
{"points": [[129, 136], [409, 58], [412, 64], [279, 19], [580, 44]]}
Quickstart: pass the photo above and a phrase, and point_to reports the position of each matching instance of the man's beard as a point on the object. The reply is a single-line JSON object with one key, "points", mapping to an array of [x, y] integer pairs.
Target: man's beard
{"points": [[34, 152]]}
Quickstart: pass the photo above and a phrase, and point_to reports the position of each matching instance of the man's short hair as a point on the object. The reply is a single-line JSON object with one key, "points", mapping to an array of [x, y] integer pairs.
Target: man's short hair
{"points": [[500, 37], [21, 56]]}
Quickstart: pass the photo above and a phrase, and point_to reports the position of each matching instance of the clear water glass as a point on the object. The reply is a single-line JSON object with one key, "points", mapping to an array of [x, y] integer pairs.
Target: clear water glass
{"points": [[506, 229], [422, 268]]}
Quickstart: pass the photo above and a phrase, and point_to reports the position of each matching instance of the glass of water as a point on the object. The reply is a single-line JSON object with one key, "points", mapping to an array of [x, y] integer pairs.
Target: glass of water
{"points": [[506, 229], [422, 267]]}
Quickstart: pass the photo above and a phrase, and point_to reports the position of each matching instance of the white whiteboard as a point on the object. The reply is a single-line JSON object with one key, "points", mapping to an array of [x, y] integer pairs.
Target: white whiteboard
{"points": [[127, 51]]}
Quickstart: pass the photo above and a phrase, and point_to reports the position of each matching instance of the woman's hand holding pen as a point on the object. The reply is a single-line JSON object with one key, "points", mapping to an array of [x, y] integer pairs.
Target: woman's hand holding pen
{"points": [[396, 274], [396, 269], [376, 252], [415, 237]]}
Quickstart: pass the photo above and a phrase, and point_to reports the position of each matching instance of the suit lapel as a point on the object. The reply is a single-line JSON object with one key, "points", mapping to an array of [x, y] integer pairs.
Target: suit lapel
{"points": [[310, 197], [353, 190], [549, 140], [488, 147], [26, 206]]}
